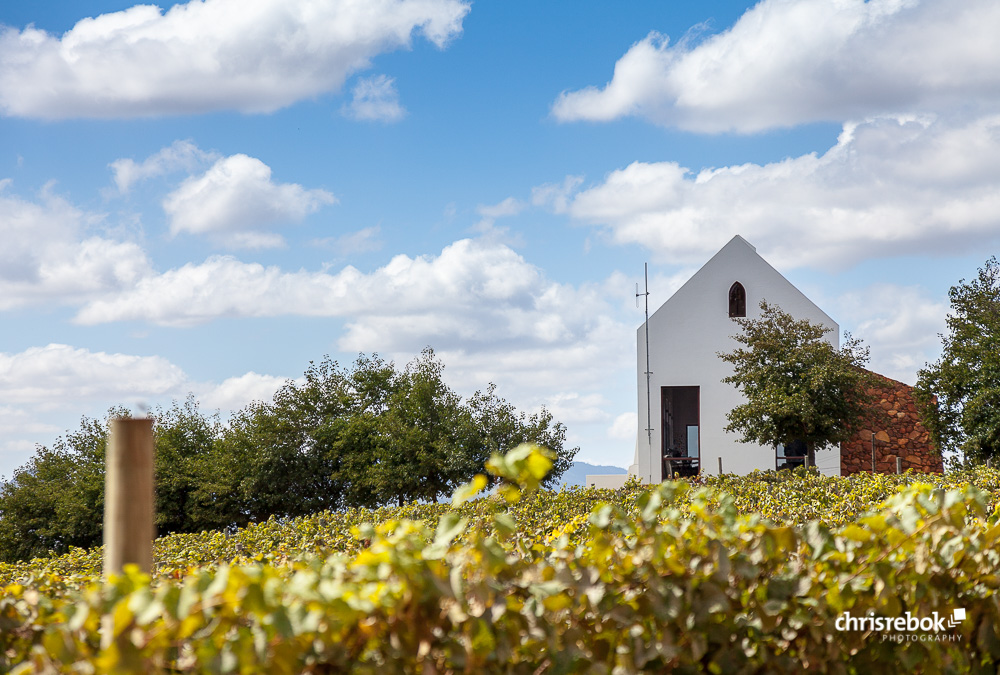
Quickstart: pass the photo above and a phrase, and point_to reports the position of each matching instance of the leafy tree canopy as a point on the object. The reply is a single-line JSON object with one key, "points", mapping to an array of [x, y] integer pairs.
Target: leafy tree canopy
{"points": [[797, 385], [959, 394]]}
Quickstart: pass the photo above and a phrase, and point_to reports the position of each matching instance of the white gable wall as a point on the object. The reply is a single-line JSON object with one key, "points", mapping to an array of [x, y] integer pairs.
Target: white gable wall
{"points": [[685, 335]]}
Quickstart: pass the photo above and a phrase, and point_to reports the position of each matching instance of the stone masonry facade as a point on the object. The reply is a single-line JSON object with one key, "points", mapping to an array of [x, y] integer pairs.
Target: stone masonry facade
{"points": [[898, 433]]}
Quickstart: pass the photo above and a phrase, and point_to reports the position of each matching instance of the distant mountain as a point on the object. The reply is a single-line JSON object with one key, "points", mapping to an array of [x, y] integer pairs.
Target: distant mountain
{"points": [[577, 474]]}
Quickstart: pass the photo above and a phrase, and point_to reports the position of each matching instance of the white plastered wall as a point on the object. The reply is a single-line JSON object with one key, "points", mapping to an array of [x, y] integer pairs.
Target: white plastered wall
{"points": [[685, 335]]}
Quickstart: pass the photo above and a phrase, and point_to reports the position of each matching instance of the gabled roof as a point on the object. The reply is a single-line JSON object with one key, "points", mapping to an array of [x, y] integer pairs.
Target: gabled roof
{"points": [[739, 253]]}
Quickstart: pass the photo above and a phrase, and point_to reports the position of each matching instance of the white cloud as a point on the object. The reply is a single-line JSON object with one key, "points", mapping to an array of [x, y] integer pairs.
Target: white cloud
{"points": [[45, 390], [573, 407], [788, 62], [220, 287], [901, 324], [237, 201], [624, 426], [474, 290], [375, 99], [57, 373], [487, 228], [556, 196], [888, 187], [17, 421], [51, 252], [248, 55], [491, 315], [235, 393], [508, 207], [181, 155], [599, 351]]}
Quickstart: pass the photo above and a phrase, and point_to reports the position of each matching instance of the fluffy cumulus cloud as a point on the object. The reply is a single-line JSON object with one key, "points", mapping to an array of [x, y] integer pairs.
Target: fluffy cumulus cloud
{"points": [[237, 202], [58, 373], [17, 421], [572, 407], [53, 252], [235, 393], [787, 62], [901, 324], [474, 290], [556, 345], [375, 99], [181, 155], [45, 390], [890, 186], [624, 426], [204, 55]]}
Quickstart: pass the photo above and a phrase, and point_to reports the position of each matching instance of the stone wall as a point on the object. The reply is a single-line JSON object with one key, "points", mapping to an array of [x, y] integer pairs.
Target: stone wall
{"points": [[898, 432]]}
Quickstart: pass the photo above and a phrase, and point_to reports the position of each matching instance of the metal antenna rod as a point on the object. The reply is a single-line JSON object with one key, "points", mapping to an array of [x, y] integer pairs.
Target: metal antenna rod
{"points": [[649, 426]]}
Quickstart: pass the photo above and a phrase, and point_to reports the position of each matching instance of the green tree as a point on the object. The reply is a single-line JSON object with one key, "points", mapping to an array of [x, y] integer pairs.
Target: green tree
{"points": [[367, 460], [389, 436], [268, 462], [56, 500], [411, 437], [499, 427], [41, 506], [421, 430], [184, 442], [797, 385], [959, 394]]}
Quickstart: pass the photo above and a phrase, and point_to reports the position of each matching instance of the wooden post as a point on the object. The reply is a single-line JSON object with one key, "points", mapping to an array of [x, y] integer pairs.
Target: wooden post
{"points": [[128, 496], [670, 469], [873, 452], [720, 466], [899, 464]]}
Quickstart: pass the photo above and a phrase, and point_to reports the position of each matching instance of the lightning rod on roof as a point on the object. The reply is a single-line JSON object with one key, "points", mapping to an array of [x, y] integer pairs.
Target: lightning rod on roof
{"points": [[649, 426]]}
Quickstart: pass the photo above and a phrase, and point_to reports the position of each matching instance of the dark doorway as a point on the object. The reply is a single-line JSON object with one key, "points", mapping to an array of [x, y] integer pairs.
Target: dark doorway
{"points": [[681, 426], [791, 456]]}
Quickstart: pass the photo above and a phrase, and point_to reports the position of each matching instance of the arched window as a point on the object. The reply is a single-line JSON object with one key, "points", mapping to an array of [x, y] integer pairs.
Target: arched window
{"points": [[737, 300]]}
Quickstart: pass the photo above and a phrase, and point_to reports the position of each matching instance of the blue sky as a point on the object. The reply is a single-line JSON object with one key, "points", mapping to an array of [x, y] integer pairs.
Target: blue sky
{"points": [[203, 197]]}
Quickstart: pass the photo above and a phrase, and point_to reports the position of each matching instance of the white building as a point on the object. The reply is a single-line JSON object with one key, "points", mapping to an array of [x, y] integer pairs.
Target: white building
{"points": [[687, 400]]}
